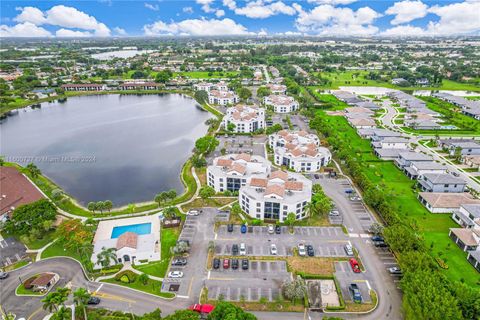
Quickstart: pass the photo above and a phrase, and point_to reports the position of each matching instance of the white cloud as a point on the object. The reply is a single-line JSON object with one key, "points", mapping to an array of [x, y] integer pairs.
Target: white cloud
{"points": [[188, 10], [196, 27], [31, 14], [330, 20], [403, 31], [260, 9], [119, 31], [70, 17], [456, 18], [206, 5], [220, 13], [406, 11], [153, 7], [230, 4], [262, 32], [332, 2], [67, 33], [25, 29]]}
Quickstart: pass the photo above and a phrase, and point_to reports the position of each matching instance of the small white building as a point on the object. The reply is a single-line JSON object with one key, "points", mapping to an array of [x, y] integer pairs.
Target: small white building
{"points": [[299, 151], [244, 118], [208, 86], [277, 88], [222, 98], [275, 196], [281, 103], [231, 172], [136, 240]]}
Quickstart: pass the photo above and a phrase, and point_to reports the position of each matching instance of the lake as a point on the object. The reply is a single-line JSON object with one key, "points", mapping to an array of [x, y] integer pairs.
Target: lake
{"points": [[123, 148]]}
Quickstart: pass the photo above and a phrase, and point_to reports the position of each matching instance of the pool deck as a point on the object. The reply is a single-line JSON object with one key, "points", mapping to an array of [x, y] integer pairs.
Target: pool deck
{"points": [[104, 230]]}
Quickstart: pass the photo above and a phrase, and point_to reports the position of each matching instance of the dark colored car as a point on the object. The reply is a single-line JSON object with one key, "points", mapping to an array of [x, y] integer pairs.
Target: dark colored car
{"points": [[230, 228], [355, 292], [234, 264], [380, 244], [310, 251], [179, 262], [243, 229], [226, 263], [278, 229], [316, 176], [93, 300], [377, 238], [216, 263], [3, 275], [235, 249], [245, 264]]}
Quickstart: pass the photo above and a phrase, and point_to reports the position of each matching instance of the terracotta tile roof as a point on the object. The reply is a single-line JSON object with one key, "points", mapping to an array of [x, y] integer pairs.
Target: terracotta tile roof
{"points": [[283, 133], [238, 168], [302, 133], [275, 189], [16, 188], [43, 280], [290, 146], [224, 162], [258, 182], [244, 156], [294, 185], [279, 174], [128, 239]]}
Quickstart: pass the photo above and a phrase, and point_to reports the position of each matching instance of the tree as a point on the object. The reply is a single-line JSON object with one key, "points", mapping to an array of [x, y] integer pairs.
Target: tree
{"points": [[182, 315], [205, 145], [172, 194], [108, 205], [55, 299], [244, 94], [100, 206], [106, 256], [206, 192], [228, 311], [62, 314], [290, 220], [169, 211], [163, 76], [73, 234], [30, 218], [33, 170], [458, 154], [80, 298], [2, 161], [294, 290], [201, 96], [92, 206], [275, 128], [198, 161], [263, 92], [143, 278], [181, 247]]}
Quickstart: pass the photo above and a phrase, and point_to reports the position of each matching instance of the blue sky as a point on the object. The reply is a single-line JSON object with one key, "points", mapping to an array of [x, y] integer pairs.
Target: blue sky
{"points": [[227, 17]]}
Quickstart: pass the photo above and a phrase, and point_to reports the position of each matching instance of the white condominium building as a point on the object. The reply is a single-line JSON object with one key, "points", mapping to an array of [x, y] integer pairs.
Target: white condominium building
{"points": [[299, 151], [222, 98], [281, 103], [231, 172], [244, 118], [277, 88], [208, 86], [275, 196]]}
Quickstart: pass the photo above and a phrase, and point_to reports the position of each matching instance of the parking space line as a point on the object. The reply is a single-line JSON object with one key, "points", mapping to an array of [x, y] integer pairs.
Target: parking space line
{"points": [[99, 288]]}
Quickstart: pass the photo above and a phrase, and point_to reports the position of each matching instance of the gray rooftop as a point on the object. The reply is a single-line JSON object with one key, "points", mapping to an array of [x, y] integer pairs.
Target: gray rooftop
{"points": [[443, 178], [473, 209], [423, 165], [414, 156]]}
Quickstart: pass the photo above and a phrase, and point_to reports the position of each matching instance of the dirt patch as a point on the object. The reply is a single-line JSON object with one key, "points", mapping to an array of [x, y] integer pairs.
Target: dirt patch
{"points": [[202, 175], [213, 202], [312, 265]]}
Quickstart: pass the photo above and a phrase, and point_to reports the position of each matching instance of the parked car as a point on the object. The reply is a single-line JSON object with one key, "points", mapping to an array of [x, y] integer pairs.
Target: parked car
{"points": [[243, 229], [310, 251], [355, 292], [348, 191], [456, 174], [216, 263], [317, 176], [245, 264], [179, 261], [243, 249], [348, 249], [234, 264], [3, 275], [271, 229], [301, 250], [377, 238], [175, 274], [93, 300], [395, 270], [202, 308], [380, 244], [355, 198], [193, 213], [355, 266], [273, 249], [226, 263], [278, 229], [230, 228], [334, 213], [235, 249]]}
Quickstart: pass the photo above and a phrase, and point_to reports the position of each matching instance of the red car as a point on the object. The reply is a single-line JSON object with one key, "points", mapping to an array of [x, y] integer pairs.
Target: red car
{"points": [[226, 263], [354, 265], [202, 308]]}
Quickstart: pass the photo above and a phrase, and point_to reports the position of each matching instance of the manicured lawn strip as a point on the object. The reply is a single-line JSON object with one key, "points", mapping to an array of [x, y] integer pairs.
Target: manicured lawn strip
{"points": [[57, 249], [189, 182], [433, 227], [21, 290], [329, 100], [168, 240], [152, 286], [212, 202], [16, 265]]}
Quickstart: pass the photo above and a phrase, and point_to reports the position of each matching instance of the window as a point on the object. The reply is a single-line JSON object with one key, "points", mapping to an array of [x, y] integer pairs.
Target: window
{"points": [[272, 210], [233, 184]]}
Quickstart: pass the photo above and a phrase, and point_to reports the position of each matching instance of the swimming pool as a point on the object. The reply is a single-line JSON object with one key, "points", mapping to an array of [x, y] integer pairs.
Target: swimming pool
{"points": [[141, 228]]}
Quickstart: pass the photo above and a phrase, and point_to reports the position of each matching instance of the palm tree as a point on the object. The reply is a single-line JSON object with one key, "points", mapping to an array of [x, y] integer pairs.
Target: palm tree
{"points": [[51, 302], [62, 314], [80, 298], [106, 256], [33, 170]]}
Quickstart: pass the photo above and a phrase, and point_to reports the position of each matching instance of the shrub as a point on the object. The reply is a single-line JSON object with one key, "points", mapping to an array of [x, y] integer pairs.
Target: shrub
{"points": [[126, 276], [124, 279], [27, 284]]}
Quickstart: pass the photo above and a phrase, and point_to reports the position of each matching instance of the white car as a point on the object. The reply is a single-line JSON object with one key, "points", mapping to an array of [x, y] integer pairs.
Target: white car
{"points": [[243, 249], [334, 213], [193, 213], [271, 229], [301, 250], [175, 274], [273, 249]]}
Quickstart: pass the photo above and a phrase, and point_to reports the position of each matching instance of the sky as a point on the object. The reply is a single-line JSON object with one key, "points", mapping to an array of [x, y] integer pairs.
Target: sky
{"points": [[107, 18]]}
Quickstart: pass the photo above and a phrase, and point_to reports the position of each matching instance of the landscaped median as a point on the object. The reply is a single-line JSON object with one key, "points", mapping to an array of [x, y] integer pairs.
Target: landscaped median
{"points": [[138, 282]]}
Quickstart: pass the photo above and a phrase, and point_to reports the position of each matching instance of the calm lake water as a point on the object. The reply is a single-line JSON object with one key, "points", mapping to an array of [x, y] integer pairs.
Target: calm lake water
{"points": [[124, 148]]}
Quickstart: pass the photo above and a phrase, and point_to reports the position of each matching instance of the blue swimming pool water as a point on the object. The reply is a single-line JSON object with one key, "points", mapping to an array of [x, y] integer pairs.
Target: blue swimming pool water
{"points": [[141, 228]]}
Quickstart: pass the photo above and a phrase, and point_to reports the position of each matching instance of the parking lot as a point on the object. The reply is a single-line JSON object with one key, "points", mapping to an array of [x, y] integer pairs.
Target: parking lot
{"points": [[11, 251], [389, 261], [326, 241], [346, 276], [240, 144], [262, 279]]}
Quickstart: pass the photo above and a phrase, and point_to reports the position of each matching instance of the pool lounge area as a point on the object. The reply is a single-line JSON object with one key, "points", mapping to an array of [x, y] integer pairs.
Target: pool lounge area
{"points": [[139, 228]]}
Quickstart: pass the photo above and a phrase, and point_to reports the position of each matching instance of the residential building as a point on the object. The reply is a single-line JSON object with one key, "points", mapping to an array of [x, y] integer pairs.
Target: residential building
{"points": [[346, 97], [466, 239], [244, 119], [362, 123], [222, 98], [391, 143], [444, 182], [273, 197], [439, 202], [139, 86], [299, 151], [474, 258], [361, 110], [44, 281], [472, 161], [405, 158], [233, 171], [466, 147], [466, 215], [281, 103], [84, 87], [277, 88], [418, 168]]}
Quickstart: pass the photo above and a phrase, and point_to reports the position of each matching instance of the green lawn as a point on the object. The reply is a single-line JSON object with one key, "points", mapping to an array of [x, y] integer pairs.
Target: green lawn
{"points": [[168, 240], [433, 227], [22, 291], [57, 250], [152, 286], [328, 100]]}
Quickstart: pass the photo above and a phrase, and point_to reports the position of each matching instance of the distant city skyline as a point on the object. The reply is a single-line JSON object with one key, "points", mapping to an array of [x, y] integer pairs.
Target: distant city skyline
{"points": [[106, 18]]}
